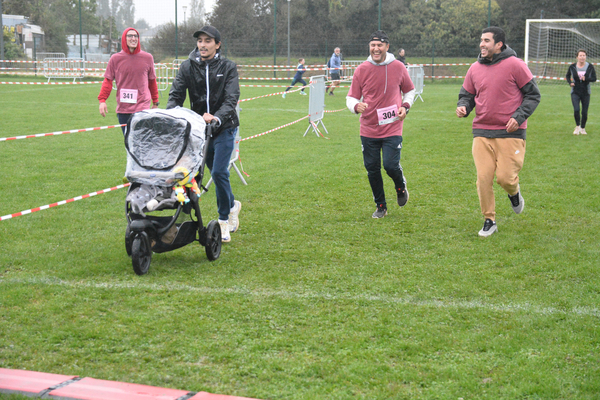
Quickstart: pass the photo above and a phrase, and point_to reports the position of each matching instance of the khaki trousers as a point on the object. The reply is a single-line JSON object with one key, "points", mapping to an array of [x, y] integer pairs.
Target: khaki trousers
{"points": [[503, 158]]}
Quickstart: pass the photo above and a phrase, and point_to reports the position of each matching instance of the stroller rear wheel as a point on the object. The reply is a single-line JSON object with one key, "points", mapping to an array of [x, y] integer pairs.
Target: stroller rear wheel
{"points": [[213, 240], [141, 254]]}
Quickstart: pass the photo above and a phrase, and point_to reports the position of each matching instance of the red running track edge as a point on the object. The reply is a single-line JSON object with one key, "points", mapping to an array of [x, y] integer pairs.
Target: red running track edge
{"points": [[69, 387]]}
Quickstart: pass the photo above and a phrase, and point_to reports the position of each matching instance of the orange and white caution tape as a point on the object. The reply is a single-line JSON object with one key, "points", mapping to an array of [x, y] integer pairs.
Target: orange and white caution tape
{"points": [[60, 203], [61, 132]]}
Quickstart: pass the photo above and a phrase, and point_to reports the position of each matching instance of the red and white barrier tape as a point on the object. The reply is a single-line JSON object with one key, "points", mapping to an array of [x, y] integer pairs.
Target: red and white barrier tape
{"points": [[273, 130], [274, 94], [444, 77], [60, 203], [276, 86], [554, 78], [50, 83], [60, 133]]}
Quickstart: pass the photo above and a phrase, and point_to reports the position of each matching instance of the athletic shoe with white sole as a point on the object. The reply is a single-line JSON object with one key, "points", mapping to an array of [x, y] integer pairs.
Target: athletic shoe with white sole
{"points": [[225, 235], [283, 95], [582, 131], [577, 130], [517, 202], [489, 228], [380, 212], [234, 221], [303, 94]]}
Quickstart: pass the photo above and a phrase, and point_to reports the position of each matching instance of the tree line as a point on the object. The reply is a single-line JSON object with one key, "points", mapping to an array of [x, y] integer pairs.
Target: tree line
{"points": [[59, 18], [453, 27], [448, 28]]}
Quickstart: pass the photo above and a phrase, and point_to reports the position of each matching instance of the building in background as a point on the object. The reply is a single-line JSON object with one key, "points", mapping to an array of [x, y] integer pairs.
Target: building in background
{"points": [[30, 37]]}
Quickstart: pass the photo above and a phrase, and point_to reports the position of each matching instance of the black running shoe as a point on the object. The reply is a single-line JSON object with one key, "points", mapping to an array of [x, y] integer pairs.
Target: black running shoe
{"points": [[402, 196]]}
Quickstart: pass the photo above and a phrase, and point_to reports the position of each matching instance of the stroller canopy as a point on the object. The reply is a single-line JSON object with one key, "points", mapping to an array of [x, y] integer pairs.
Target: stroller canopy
{"points": [[160, 143]]}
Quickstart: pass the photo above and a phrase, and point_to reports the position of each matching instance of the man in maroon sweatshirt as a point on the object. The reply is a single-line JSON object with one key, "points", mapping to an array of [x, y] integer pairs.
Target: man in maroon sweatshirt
{"points": [[133, 69], [382, 92], [502, 90]]}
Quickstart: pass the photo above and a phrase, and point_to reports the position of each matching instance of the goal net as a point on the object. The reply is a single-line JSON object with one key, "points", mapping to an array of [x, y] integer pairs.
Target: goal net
{"points": [[551, 45]]}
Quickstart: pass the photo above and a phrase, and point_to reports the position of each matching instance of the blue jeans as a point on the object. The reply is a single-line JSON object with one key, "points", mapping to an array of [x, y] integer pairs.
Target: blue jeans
{"points": [[372, 149], [294, 81], [218, 155], [123, 119]]}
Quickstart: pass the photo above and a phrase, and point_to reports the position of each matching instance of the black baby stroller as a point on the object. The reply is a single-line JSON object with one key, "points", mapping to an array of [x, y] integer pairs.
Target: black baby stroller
{"points": [[165, 151]]}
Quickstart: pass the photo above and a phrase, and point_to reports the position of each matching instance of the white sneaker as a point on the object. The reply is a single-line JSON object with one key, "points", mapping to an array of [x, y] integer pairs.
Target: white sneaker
{"points": [[283, 95], [582, 131], [489, 228], [517, 202], [302, 93], [234, 221], [225, 235], [577, 130]]}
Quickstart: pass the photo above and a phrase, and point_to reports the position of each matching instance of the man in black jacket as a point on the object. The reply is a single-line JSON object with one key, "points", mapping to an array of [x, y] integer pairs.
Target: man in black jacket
{"points": [[213, 86]]}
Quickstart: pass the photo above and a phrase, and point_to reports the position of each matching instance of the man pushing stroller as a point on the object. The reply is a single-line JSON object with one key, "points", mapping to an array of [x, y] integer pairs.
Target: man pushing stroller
{"points": [[213, 85]]}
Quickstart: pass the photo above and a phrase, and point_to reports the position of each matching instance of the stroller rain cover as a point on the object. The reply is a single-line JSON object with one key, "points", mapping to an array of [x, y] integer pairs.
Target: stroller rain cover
{"points": [[160, 141]]}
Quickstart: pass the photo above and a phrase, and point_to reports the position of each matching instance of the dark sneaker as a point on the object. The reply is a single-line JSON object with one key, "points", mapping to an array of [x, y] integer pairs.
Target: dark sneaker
{"points": [[380, 212], [331, 93], [402, 196], [489, 227], [517, 202]]}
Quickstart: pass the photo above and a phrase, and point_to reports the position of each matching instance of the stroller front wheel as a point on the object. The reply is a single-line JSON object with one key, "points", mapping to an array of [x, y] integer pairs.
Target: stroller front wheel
{"points": [[141, 254], [213, 240]]}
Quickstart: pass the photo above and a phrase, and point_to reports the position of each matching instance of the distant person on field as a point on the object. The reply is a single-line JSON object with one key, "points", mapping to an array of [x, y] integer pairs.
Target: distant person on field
{"points": [[382, 92], [133, 69], [335, 65], [583, 74], [503, 91], [401, 57], [300, 70], [213, 85]]}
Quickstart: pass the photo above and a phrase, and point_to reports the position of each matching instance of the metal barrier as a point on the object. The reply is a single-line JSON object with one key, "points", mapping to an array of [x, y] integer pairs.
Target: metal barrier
{"points": [[64, 68], [316, 104], [40, 56], [176, 63], [417, 75], [235, 154], [162, 76]]}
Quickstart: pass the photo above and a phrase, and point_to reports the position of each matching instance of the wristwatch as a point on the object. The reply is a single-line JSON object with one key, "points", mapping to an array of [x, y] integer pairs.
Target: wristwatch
{"points": [[157, 103]]}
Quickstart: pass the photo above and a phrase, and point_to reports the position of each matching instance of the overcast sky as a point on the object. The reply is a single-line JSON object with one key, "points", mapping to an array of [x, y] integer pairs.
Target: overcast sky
{"points": [[157, 12]]}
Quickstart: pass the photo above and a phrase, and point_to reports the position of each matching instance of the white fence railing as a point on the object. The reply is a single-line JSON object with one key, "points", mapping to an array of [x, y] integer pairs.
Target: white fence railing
{"points": [[65, 68]]}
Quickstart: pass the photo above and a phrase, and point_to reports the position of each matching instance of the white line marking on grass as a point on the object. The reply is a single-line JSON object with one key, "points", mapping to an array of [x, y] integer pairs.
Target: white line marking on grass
{"points": [[438, 303]]}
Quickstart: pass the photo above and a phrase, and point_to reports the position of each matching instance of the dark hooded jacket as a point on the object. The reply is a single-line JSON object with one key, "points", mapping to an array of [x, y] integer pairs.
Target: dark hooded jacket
{"points": [[223, 88], [531, 99], [581, 88]]}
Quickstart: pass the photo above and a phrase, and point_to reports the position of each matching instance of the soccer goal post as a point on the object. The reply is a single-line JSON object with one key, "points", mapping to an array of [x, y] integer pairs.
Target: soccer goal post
{"points": [[551, 45]]}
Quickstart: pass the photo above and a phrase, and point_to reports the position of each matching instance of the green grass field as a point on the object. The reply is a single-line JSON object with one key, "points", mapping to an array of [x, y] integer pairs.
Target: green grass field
{"points": [[312, 299]]}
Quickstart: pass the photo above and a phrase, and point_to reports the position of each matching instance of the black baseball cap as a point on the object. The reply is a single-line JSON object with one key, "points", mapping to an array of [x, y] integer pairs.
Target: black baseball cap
{"points": [[211, 31], [380, 36]]}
